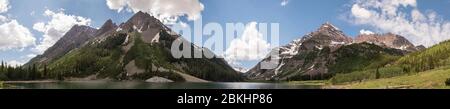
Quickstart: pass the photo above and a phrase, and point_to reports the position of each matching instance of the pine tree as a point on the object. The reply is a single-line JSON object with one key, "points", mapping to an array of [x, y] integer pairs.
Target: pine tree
{"points": [[33, 73], [377, 74], [45, 73], [2, 67]]}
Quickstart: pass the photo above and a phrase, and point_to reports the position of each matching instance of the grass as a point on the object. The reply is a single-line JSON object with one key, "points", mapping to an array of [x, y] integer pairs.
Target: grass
{"points": [[1, 84], [433, 79], [386, 72]]}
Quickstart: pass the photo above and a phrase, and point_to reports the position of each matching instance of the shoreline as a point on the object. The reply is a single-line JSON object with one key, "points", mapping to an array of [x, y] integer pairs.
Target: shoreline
{"points": [[32, 81]]}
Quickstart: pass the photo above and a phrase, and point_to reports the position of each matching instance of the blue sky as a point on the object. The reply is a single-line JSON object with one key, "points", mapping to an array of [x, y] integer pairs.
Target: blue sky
{"points": [[296, 18]]}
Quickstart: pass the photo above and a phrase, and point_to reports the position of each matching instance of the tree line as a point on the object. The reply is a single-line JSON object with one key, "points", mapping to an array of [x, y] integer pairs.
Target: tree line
{"points": [[17, 73]]}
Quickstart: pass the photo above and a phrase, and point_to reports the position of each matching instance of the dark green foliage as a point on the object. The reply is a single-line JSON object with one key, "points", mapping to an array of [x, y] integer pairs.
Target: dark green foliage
{"points": [[114, 41], [210, 69], [102, 58], [362, 56], [447, 82], [147, 54], [14, 73], [157, 54]]}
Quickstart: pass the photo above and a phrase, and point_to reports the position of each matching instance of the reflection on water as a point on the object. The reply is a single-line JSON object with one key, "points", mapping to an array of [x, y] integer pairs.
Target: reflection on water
{"points": [[144, 85]]}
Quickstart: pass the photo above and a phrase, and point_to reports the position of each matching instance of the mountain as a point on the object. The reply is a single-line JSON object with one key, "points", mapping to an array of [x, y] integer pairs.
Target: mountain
{"points": [[323, 53], [138, 49], [307, 56], [388, 40], [73, 39]]}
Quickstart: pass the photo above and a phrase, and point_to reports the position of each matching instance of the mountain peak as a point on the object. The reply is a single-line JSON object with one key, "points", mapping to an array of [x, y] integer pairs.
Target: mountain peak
{"points": [[142, 16], [330, 32], [79, 28], [107, 26], [328, 26], [142, 21]]}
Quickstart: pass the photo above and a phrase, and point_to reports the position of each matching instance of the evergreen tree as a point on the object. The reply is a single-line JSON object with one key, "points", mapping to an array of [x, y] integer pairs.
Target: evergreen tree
{"points": [[377, 73], [45, 73]]}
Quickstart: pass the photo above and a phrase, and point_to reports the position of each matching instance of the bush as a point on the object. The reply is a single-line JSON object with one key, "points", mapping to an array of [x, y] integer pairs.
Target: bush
{"points": [[447, 82], [3, 77]]}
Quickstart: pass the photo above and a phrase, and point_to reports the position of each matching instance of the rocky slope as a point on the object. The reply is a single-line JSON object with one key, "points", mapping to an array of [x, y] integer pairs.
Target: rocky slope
{"points": [[74, 38], [388, 40]]}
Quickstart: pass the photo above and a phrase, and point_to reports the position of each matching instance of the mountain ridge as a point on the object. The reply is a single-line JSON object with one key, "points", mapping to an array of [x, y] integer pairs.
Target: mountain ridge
{"points": [[72, 39]]}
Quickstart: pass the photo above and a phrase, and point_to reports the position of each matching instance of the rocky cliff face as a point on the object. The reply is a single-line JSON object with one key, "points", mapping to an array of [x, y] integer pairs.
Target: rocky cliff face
{"points": [[388, 40], [74, 38]]}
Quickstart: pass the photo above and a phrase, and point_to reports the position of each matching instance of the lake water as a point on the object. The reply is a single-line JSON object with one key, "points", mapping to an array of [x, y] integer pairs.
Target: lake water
{"points": [[144, 85]]}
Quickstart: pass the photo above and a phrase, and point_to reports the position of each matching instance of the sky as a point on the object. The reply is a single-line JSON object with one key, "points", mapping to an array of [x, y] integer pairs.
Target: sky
{"points": [[29, 27]]}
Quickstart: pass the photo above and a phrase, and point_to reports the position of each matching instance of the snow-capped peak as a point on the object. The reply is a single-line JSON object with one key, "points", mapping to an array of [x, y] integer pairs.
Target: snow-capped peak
{"points": [[329, 26]]}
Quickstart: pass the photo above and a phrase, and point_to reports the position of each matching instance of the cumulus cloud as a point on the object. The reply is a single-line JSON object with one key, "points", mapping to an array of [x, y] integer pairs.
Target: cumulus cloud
{"points": [[359, 12], [15, 36], [366, 32], [4, 6], [167, 11], [15, 63], [54, 29], [284, 2], [249, 47], [401, 17]]}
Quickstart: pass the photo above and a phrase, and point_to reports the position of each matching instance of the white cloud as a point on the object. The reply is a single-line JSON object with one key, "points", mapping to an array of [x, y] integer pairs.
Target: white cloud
{"points": [[360, 12], [249, 47], [183, 24], [167, 11], [31, 55], [3, 19], [15, 36], [4, 6], [116, 4], [54, 29], [15, 63], [366, 32], [401, 17], [284, 2]]}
